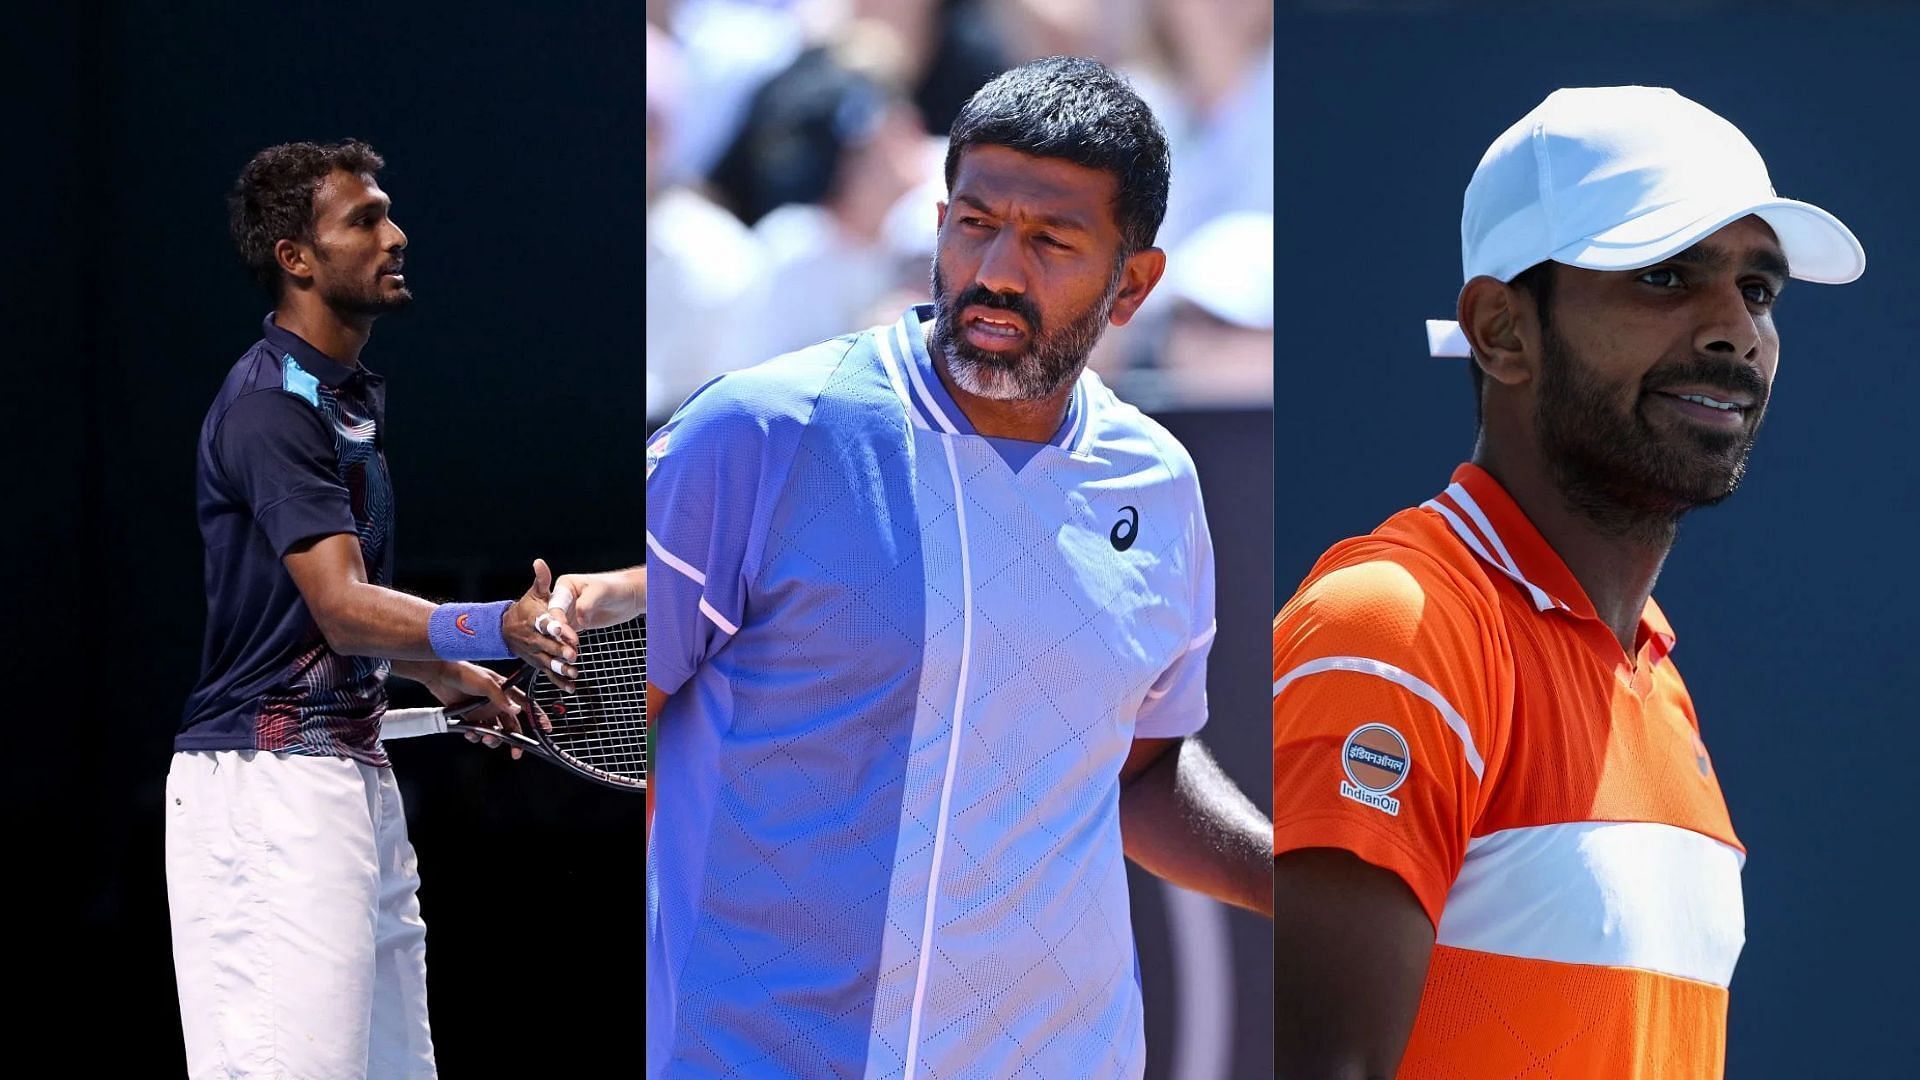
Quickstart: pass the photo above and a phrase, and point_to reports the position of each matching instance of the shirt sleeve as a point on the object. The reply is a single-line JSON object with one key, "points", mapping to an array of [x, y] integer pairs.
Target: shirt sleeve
{"points": [[713, 472], [282, 462], [1384, 720], [1176, 705]]}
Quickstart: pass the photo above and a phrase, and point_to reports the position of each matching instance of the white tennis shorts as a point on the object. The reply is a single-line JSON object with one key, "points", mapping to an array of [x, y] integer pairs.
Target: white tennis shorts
{"points": [[297, 941]]}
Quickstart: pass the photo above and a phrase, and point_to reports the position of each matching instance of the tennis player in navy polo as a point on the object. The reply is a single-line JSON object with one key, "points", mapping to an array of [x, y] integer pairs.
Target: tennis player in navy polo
{"points": [[297, 941], [929, 622]]}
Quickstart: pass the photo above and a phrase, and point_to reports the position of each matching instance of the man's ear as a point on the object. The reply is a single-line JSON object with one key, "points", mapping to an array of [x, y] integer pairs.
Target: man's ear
{"points": [[294, 260], [1143, 271], [1504, 329]]}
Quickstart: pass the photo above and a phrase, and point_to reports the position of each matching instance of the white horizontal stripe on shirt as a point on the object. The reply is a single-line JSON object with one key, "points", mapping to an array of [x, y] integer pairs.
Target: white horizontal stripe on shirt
{"points": [[1626, 894]]}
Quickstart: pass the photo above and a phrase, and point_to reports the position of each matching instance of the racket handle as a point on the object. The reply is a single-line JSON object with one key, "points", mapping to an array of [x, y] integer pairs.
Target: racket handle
{"points": [[407, 723]]}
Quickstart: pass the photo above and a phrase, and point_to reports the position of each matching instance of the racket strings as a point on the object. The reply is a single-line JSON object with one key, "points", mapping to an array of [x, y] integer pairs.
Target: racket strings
{"points": [[602, 723]]}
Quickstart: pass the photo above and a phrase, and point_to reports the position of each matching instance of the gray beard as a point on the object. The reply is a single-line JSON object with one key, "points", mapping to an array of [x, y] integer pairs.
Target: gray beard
{"points": [[1023, 382], [1051, 362]]}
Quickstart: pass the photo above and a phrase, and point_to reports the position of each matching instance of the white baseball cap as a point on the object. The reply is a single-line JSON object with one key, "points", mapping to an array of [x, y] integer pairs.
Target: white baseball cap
{"points": [[1621, 177]]}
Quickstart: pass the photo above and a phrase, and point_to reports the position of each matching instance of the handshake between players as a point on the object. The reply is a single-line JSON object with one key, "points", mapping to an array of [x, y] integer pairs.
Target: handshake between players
{"points": [[542, 629]]}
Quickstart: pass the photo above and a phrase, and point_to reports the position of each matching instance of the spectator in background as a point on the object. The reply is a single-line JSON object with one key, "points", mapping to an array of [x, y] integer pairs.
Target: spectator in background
{"points": [[829, 146], [965, 50], [703, 265], [1219, 330], [809, 122], [1033, 28], [1211, 79], [728, 50]]}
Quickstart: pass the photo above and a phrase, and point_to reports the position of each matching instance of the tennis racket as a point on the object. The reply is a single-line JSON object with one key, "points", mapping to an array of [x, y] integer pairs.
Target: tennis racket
{"points": [[597, 730]]}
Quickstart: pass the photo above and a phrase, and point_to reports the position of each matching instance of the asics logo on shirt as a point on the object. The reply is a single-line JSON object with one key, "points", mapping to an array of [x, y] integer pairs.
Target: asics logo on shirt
{"points": [[1125, 529]]}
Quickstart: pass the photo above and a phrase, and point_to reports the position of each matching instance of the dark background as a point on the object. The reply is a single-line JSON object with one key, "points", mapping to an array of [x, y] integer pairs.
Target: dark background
{"points": [[514, 161], [1795, 601]]}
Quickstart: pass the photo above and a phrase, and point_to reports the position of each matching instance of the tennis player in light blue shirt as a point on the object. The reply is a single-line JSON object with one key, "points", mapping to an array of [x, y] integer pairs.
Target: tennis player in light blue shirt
{"points": [[930, 617]]}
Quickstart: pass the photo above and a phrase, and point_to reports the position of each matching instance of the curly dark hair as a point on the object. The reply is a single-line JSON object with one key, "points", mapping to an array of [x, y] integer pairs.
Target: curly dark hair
{"points": [[273, 198], [1081, 111]]}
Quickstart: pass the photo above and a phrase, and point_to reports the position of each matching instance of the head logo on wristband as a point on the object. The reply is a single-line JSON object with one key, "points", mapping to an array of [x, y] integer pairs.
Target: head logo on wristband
{"points": [[469, 631]]}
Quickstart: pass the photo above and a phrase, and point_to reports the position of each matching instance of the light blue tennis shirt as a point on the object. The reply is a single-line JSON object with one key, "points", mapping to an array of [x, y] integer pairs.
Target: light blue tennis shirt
{"points": [[907, 663]]}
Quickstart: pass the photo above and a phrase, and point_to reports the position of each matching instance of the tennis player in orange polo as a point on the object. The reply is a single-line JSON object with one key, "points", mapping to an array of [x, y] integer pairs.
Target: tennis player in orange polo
{"points": [[1500, 846]]}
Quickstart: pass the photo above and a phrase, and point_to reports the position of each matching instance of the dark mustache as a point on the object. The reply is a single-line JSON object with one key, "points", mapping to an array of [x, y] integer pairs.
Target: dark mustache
{"points": [[979, 294], [1732, 377]]}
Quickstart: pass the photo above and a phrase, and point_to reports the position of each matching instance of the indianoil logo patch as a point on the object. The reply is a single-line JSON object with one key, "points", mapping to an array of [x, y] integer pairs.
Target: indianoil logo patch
{"points": [[1376, 762]]}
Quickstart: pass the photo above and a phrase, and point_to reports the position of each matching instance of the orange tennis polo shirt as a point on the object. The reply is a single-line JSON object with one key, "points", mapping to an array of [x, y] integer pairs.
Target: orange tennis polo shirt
{"points": [[1447, 705]]}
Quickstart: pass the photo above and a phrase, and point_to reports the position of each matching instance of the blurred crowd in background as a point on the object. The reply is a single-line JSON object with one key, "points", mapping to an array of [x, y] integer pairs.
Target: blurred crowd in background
{"points": [[796, 151]]}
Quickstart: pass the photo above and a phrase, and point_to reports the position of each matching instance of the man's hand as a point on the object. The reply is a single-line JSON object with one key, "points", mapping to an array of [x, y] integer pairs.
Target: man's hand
{"points": [[459, 683], [590, 601], [536, 635]]}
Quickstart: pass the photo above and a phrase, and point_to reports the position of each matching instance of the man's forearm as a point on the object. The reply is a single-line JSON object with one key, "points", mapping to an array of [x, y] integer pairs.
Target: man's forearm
{"points": [[369, 620], [630, 586], [603, 599], [362, 619], [424, 672], [356, 617], [1184, 820]]}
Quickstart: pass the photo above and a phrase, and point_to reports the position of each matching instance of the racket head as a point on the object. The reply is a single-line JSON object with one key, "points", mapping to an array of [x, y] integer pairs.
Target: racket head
{"points": [[599, 728]]}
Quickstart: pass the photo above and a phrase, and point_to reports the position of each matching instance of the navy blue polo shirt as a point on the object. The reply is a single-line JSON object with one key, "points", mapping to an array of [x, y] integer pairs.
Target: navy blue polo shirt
{"points": [[290, 451]]}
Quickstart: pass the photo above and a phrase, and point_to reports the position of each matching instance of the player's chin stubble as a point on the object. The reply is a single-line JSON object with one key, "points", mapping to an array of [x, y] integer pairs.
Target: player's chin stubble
{"points": [[1052, 360], [1623, 472], [371, 299]]}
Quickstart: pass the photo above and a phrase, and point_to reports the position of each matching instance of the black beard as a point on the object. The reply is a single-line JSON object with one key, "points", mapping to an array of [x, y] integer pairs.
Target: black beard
{"points": [[1624, 473], [1050, 361], [371, 301]]}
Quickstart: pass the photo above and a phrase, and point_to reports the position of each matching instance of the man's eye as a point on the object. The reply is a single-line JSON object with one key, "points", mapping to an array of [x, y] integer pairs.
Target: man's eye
{"points": [[1052, 242], [1666, 279], [1760, 294]]}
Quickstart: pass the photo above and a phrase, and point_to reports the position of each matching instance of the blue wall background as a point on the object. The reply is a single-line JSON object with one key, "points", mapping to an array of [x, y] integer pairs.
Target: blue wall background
{"points": [[1795, 601]]}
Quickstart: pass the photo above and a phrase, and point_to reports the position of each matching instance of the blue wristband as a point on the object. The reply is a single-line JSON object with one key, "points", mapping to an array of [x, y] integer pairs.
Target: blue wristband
{"points": [[469, 631]]}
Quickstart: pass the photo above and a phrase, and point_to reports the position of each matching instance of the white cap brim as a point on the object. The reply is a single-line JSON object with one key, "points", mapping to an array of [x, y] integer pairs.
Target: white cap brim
{"points": [[1818, 247]]}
